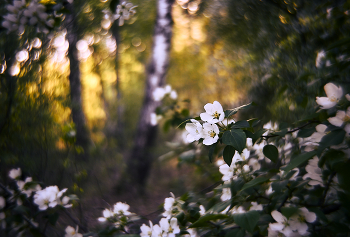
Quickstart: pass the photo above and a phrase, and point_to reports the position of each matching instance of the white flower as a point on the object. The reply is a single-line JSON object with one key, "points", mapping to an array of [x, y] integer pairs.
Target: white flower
{"points": [[282, 225], [155, 118], [195, 131], [320, 56], [246, 168], [2, 202], [320, 132], [106, 214], [333, 93], [270, 127], [169, 229], [201, 210], [121, 209], [226, 194], [210, 133], [297, 221], [313, 172], [254, 163], [259, 150], [27, 191], [71, 232], [15, 173], [158, 94], [347, 96], [237, 210], [213, 113], [173, 95], [256, 206], [50, 197], [124, 12], [146, 231], [341, 118], [227, 171], [192, 233], [46, 198], [241, 157]]}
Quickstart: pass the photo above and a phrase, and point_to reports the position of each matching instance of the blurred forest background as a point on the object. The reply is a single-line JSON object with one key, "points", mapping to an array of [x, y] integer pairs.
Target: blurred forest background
{"points": [[277, 54]]}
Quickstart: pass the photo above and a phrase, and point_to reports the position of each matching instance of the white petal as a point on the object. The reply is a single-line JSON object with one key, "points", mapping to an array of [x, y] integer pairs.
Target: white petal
{"points": [[206, 117], [333, 91], [278, 216], [325, 103], [336, 121]]}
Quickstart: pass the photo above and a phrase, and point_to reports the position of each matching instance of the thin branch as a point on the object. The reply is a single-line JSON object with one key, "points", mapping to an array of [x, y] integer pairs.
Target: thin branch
{"points": [[330, 179], [76, 221], [293, 130]]}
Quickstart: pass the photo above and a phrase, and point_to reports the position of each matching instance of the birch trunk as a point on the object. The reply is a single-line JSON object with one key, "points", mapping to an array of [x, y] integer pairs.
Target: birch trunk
{"points": [[140, 160]]}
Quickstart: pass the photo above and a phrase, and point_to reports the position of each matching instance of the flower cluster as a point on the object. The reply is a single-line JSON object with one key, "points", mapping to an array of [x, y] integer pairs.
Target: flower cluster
{"points": [[26, 187], [124, 12], [166, 228], [20, 14], [172, 206], [51, 197], [293, 226], [119, 215], [208, 131], [160, 92]]}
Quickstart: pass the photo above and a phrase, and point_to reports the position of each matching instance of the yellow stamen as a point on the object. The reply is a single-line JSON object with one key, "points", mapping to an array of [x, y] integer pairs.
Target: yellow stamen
{"points": [[212, 133], [216, 115], [333, 99]]}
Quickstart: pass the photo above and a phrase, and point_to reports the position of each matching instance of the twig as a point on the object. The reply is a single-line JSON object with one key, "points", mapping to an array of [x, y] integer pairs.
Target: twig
{"points": [[293, 130], [330, 179], [76, 221]]}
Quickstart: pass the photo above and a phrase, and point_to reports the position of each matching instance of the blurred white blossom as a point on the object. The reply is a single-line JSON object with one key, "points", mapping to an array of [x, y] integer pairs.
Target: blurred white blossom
{"points": [[334, 94]]}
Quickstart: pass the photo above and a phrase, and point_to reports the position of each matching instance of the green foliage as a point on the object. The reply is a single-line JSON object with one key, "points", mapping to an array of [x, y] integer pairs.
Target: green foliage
{"points": [[271, 152], [228, 153], [235, 138]]}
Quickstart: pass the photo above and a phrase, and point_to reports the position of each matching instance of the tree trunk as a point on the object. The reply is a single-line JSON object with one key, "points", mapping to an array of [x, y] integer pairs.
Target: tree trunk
{"points": [[78, 116], [140, 160], [119, 132]]}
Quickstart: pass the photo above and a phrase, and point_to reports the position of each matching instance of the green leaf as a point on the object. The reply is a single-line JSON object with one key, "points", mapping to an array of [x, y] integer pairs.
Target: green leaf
{"points": [[235, 138], [256, 181], [306, 132], [331, 157], [296, 161], [289, 211], [231, 112], [343, 175], [236, 233], [167, 125], [219, 207], [247, 220], [53, 218], [271, 152], [258, 134], [211, 152], [335, 137], [241, 124], [229, 152], [339, 43], [253, 122], [185, 112], [203, 221]]}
